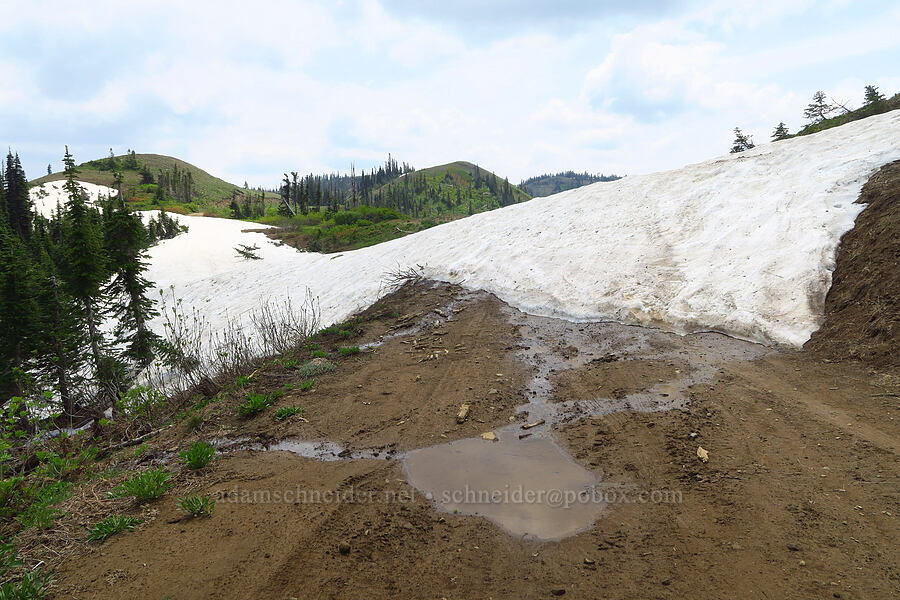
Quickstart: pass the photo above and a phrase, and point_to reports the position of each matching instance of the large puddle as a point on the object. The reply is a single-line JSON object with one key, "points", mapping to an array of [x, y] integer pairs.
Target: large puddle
{"points": [[529, 487]]}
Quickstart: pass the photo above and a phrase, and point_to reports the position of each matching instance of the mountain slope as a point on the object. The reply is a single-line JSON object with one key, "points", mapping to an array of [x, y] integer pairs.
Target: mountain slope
{"points": [[209, 192], [546, 185]]}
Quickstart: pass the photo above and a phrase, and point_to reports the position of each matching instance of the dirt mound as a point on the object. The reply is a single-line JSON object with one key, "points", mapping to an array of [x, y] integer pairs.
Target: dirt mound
{"points": [[862, 310]]}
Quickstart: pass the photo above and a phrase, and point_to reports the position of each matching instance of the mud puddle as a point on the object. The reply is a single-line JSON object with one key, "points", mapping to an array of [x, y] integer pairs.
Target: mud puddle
{"points": [[530, 487]]}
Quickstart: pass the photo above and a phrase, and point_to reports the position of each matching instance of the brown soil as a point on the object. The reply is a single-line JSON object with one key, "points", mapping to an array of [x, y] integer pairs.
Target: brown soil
{"points": [[862, 307], [799, 499]]}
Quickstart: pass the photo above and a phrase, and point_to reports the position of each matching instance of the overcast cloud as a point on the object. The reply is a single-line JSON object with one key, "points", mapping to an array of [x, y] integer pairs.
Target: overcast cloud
{"points": [[248, 91]]}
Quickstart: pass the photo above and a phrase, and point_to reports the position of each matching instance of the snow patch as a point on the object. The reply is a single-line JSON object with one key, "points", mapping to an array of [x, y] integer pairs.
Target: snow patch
{"points": [[48, 195], [743, 244]]}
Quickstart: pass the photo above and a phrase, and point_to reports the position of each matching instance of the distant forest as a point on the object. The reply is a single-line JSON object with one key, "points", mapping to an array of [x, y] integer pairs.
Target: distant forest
{"points": [[547, 184]]}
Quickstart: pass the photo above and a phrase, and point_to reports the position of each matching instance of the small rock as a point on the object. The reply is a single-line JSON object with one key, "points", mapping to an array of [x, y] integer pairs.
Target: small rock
{"points": [[793, 547], [589, 561], [702, 454], [802, 563], [694, 434], [344, 548], [493, 391], [489, 436], [666, 581], [557, 591]]}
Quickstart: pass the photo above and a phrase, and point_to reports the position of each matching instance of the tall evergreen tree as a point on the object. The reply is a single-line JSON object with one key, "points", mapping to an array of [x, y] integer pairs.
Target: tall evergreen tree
{"points": [[126, 245], [19, 311], [18, 202], [85, 263]]}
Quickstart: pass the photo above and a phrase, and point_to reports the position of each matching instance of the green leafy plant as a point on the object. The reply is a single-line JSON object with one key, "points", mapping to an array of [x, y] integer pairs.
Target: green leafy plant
{"points": [[306, 385], [197, 506], [319, 354], [311, 368], [255, 403], [290, 363], [348, 350], [242, 380], [40, 513], [32, 586], [286, 412], [141, 401], [111, 526], [198, 454], [145, 486], [345, 333]]}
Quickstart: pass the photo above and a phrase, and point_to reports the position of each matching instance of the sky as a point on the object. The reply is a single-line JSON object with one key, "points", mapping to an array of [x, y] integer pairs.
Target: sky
{"points": [[248, 91]]}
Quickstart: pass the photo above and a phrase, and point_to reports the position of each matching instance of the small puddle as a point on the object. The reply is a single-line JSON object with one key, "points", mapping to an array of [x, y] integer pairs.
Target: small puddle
{"points": [[529, 487]]}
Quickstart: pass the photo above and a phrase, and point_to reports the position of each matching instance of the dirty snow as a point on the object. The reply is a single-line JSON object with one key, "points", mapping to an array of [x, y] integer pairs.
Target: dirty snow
{"points": [[743, 244]]}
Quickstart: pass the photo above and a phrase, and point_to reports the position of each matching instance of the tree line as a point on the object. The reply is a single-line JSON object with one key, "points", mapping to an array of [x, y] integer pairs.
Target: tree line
{"points": [[62, 278]]}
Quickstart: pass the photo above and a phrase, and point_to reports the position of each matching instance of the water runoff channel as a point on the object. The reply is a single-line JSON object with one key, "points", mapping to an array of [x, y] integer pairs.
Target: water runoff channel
{"points": [[523, 480]]}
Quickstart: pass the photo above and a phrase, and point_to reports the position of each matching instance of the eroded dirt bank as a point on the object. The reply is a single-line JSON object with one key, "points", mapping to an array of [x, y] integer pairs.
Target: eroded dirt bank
{"points": [[799, 497]]}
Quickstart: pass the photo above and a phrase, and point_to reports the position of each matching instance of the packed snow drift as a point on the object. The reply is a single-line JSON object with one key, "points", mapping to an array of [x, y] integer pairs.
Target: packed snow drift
{"points": [[48, 196], [743, 244]]}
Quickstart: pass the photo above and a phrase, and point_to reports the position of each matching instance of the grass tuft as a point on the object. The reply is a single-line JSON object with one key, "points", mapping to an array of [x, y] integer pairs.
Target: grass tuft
{"points": [[111, 526], [197, 506], [348, 350], [286, 412], [198, 454], [145, 486]]}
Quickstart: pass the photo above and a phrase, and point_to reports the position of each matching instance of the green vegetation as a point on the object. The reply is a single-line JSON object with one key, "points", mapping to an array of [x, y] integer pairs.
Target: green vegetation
{"points": [[256, 403], [111, 526], [318, 354], [33, 584], [286, 412], [348, 350], [198, 454], [386, 204], [145, 486], [197, 506], [41, 512], [152, 181], [311, 369], [306, 385], [875, 107]]}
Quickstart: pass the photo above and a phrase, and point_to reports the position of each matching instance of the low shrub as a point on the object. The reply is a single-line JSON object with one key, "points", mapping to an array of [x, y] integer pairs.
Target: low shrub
{"points": [[198, 454]]}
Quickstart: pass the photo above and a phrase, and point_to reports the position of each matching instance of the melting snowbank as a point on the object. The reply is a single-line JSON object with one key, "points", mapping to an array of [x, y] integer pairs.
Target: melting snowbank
{"points": [[743, 244], [48, 195]]}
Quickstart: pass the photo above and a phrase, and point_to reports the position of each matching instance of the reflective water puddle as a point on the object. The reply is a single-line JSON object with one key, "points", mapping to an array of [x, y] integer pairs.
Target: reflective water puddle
{"points": [[529, 487]]}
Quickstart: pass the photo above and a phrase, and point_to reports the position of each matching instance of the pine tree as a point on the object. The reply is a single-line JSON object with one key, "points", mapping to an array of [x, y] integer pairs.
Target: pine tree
{"points": [[19, 311], [126, 245], [83, 257], [872, 95], [18, 201], [741, 142], [780, 133], [819, 109]]}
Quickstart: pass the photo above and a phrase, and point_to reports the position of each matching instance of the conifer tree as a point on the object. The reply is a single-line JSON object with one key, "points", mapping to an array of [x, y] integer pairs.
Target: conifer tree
{"points": [[872, 95], [742, 141], [126, 244], [780, 133], [19, 311], [819, 109], [18, 202], [85, 265]]}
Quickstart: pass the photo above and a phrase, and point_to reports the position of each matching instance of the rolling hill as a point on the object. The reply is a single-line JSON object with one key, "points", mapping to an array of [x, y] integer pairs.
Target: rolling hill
{"points": [[208, 193]]}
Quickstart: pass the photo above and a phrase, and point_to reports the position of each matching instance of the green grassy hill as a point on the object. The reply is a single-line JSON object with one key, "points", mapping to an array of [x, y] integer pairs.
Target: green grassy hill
{"points": [[207, 193], [448, 191], [406, 204]]}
